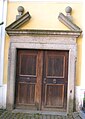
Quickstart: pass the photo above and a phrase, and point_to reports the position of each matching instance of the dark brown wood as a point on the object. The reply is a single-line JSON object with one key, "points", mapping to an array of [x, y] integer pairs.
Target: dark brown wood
{"points": [[55, 80], [26, 77], [41, 79]]}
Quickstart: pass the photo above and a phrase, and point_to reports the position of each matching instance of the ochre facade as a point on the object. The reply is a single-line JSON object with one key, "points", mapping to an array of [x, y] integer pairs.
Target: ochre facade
{"points": [[44, 15]]}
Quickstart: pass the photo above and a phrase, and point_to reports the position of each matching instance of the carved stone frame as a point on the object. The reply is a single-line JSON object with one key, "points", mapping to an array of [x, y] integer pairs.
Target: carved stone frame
{"points": [[42, 39]]}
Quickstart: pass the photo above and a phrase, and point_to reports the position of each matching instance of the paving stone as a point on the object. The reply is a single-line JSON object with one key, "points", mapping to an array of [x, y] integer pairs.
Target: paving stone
{"points": [[11, 115], [82, 114], [63, 117], [1, 111], [8, 115], [76, 116], [52, 117]]}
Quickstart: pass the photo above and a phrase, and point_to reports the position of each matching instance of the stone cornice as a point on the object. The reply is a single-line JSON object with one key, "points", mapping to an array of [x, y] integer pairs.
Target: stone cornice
{"points": [[12, 29], [63, 19], [16, 24], [43, 32]]}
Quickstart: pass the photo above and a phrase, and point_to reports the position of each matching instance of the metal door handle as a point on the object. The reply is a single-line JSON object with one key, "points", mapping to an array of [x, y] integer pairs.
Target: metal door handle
{"points": [[54, 80], [44, 80], [28, 78]]}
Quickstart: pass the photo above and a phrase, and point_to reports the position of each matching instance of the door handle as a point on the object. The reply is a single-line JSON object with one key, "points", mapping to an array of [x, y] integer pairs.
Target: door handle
{"points": [[28, 78], [54, 81], [44, 80]]}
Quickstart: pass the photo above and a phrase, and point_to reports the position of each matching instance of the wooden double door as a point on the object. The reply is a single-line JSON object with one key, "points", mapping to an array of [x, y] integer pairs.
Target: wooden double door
{"points": [[41, 79]]}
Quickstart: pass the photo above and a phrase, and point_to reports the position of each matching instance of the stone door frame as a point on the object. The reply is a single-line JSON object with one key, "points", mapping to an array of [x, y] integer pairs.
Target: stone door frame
{"points": [[52, 40]]}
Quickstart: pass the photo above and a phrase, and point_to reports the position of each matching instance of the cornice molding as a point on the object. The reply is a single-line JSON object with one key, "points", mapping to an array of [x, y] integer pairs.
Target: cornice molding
{"points": [[63, 19], [13, 31], [20, 21], [43, 32]]}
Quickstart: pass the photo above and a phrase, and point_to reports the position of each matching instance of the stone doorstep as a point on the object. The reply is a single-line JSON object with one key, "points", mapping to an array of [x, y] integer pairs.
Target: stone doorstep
{"points": [[40, 112]]}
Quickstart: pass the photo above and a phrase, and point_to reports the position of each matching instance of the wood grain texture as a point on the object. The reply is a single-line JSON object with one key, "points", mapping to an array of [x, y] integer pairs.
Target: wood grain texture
{"points": [[41, 79]]}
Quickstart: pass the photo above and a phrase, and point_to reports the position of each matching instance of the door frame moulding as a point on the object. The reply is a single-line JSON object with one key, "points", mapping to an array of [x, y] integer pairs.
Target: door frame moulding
{"points": [[45, 40]]}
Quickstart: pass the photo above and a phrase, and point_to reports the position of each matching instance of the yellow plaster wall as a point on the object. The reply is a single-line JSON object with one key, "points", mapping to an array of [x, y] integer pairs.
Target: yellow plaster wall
{"points": [[44, 15]]}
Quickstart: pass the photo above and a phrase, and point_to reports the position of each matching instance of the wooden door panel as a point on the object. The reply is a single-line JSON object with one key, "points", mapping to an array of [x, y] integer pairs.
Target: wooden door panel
{"points": [[26, 93], [26, 77], [27, 64], [54, 96], [55, 80], [55, 66]]}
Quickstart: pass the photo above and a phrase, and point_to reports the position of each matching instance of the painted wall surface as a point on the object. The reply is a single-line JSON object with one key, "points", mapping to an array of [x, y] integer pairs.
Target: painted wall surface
{"points": [[44, 15]]}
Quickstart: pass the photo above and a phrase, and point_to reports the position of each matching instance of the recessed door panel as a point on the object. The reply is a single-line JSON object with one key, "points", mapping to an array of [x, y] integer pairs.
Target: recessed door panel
{"points": [[54, 95]]}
